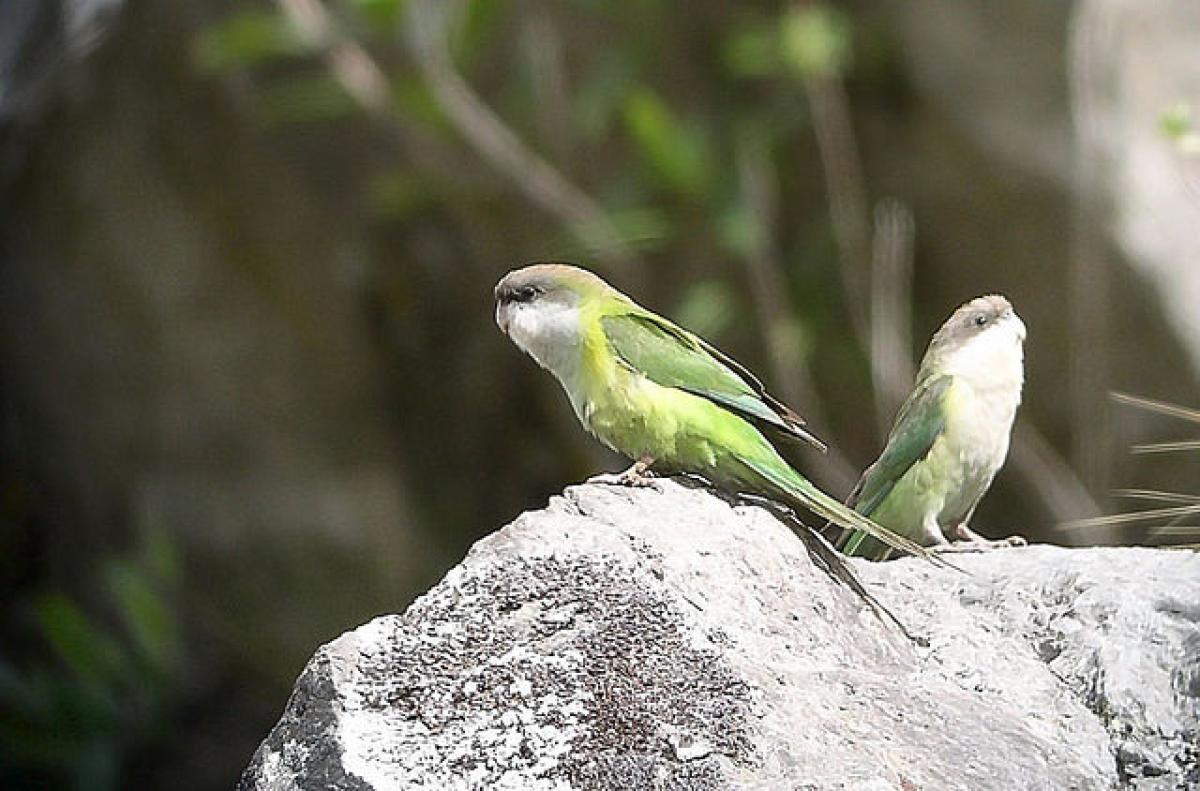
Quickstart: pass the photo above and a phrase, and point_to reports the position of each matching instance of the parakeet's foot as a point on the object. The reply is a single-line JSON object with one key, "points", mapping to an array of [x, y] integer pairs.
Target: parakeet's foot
{"points": [[639, 475], [970, 541]]}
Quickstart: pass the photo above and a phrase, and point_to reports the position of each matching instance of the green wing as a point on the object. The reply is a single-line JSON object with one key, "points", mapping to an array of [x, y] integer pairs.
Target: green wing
{"points": [[921, 421], [673, 357]]}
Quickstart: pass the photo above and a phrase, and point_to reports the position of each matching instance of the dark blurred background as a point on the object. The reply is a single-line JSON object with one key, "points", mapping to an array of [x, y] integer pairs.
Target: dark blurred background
{"points": [[251, 394]]}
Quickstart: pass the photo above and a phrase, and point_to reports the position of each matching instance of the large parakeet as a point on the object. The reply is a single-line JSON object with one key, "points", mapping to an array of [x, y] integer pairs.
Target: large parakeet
{"points": [[661, 395]]}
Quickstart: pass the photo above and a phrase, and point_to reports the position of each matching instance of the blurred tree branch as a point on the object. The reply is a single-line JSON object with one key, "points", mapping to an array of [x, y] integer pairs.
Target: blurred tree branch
{"points": [[361, 76], [350, 63], [535, 178], [498, 145]]}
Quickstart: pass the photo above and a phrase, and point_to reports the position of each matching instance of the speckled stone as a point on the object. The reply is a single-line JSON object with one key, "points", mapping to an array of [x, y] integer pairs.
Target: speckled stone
{"points": [[668, 639]]}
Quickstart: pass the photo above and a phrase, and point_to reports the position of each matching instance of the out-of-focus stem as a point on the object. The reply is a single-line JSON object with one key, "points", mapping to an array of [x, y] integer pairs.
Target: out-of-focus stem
{"points": [[498, 145], [1043, 470], [844, 186], [532, 176], [352, 66], [544, 50], [891, 309], [1088, 265], [768, 289]]}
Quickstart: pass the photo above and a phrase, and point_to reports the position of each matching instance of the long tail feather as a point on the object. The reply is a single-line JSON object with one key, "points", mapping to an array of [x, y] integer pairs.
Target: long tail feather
{"points": [[860, 545], [797, 491], [826, 558]]}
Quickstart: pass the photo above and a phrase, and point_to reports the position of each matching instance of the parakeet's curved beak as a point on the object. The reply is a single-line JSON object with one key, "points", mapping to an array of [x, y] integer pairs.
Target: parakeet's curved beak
{"points": [[1012, 316], [502, 314]]}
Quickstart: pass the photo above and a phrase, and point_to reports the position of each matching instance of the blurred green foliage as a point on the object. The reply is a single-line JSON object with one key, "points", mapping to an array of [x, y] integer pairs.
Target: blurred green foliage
{"points": [[244, 39], [1179, 126], [673, 151], [815, 39], [308, 284], [680, 158], [100, 692], [1176, 121], [314, 97], [806, 40]]}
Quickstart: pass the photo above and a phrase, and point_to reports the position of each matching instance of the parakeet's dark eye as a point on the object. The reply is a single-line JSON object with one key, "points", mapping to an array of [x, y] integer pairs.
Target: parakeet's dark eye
{"points": [[520, 294], [980, 320]]}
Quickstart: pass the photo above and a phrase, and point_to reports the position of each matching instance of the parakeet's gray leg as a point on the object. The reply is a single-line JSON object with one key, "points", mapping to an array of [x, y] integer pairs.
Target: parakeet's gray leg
{"points": [[933, 538], [637, 475], [933, 534], [965, 533], [970, 541]]}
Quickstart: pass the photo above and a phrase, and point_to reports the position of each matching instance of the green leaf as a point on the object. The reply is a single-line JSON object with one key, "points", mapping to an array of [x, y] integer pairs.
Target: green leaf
{"points": [[601, 94], [417, 102], [476, 28], [161, 557], [315, 97], [675, 153], [791, 340], [740, 231], [815, 39], [753, 52], [92, 655], [245, 39], [146, 615], [708, 308], [397, 194], [381, 15], [1176, 121]]}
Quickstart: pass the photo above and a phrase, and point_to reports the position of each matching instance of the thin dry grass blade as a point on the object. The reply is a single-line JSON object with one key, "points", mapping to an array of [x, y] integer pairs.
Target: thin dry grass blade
{"points": [[1179, 446], [1158, 407], [1176, 530], [1131, 518], [1156, 495]]}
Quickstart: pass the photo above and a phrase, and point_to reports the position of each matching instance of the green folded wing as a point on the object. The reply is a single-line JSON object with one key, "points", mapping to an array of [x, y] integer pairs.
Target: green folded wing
{"points": [[920, 422], [673, 357]]}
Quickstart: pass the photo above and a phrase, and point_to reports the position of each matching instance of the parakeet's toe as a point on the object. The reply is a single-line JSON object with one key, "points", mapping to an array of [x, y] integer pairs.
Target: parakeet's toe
{"points": [[637, 480], [979, 545]]}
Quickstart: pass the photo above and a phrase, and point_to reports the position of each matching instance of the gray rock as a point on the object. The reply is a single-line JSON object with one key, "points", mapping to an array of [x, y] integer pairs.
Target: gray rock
{"points": [[627, 639]]}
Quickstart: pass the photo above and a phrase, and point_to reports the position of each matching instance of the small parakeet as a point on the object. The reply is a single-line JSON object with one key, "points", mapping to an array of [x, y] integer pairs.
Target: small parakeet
{"points": [[951, 435], [660, 395]]}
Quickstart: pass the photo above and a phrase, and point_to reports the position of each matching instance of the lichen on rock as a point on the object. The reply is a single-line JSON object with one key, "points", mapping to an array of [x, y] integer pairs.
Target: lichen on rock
{"points": [[668, 638]]}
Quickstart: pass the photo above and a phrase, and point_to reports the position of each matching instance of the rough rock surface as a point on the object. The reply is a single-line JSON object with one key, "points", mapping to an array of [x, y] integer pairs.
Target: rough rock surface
{"points": [[624, 639]]}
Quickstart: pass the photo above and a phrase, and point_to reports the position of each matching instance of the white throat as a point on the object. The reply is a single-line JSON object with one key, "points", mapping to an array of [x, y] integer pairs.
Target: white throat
{"points": [[993, 363], [549, 333]]}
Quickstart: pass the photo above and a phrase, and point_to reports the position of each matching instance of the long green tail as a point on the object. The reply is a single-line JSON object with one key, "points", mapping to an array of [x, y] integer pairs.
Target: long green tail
{"points": [[795, 490], [860, 545]]}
